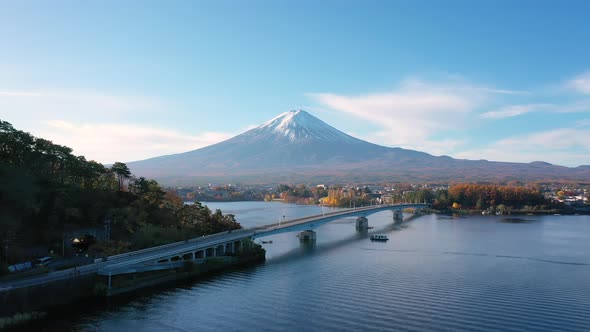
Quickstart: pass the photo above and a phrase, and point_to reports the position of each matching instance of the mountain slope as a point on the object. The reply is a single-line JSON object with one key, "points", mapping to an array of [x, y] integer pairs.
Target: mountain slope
{"points": [[298, 147]]}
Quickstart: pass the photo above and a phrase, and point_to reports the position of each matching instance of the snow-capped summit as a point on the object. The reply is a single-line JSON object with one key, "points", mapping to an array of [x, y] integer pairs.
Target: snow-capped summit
{"points": [[298, 125]]}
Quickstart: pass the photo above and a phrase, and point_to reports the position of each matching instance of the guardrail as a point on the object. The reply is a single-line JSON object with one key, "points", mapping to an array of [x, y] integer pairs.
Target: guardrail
{"points": [[168, 245]]}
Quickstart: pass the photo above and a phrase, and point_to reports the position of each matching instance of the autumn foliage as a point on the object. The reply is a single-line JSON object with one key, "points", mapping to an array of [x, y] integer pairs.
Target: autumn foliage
{"points": [[484, 196]]}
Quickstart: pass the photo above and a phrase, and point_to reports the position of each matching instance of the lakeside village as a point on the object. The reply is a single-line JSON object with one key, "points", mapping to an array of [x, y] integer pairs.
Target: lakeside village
{"points": [[463, 197]]}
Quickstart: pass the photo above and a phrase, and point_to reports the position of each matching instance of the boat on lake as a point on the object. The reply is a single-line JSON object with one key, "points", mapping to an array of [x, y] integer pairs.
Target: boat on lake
{"points": [[379, 237]]}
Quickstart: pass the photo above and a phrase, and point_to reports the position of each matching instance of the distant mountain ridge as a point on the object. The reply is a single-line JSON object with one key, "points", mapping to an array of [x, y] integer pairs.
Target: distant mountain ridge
{"points": [[297, 147]]}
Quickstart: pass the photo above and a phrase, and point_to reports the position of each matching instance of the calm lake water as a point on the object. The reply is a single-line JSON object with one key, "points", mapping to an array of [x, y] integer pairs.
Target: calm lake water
{"points": [[434, 274]]}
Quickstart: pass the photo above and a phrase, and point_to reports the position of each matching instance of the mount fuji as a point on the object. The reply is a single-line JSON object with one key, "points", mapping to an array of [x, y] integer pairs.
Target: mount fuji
{"points": [[297, 147]]}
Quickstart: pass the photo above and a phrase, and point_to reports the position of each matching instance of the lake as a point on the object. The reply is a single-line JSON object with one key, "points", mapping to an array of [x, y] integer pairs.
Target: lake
{"points": [[474, 273]]}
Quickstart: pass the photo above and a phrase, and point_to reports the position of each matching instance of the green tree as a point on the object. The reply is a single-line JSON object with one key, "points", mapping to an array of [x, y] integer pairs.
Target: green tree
{"points": [[122, 172], [479, 204], [148, 191]]}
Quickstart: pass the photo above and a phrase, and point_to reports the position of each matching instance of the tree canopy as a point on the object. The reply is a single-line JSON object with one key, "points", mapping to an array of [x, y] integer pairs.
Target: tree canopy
{"points": [[46, 191]]}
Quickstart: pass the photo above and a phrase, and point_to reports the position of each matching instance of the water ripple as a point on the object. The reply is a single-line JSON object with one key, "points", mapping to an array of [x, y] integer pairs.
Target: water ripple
{"points": [[478, 254]]}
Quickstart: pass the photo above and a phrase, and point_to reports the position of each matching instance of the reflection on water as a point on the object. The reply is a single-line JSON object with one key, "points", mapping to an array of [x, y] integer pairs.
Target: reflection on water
{"points": [[475, 273]]}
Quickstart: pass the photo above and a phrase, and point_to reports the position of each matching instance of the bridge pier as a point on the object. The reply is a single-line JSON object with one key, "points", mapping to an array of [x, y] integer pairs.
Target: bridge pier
{"points": [[398, 217], [219, 251], [237, 246], [362, 223], [307, 236]]}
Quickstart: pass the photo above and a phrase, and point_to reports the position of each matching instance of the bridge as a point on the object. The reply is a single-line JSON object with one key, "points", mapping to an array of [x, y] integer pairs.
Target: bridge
{"points": [[216, 245], [220, 244], [311, 222]]}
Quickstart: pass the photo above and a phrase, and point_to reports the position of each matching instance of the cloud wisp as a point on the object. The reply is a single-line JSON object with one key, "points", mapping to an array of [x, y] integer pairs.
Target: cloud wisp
{"points": [[108, 143], [563, 146], [413, 114], [515, 110], [95, 123], [580, 83], [80, 105]]}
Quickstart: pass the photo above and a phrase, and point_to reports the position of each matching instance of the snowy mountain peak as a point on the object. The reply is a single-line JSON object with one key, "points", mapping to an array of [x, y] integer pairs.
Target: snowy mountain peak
{"points": [[298, 125], [290, 118]]}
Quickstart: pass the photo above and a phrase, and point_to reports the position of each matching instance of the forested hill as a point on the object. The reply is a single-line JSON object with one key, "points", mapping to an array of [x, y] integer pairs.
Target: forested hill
{"points": [[46, 191]]}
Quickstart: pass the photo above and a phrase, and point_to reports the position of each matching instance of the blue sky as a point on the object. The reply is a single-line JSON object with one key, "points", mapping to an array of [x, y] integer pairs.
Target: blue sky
{"points": [[128, 80]]}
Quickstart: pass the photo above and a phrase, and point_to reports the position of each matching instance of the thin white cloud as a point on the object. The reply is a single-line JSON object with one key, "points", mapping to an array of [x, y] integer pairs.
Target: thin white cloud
{"points": [[19, 94], [577, 107], [583, 123], [76, 105], [564, 146], [499, 91], [108, 143], [93, 123], [413, 114], [580, 83], [515, 110]]}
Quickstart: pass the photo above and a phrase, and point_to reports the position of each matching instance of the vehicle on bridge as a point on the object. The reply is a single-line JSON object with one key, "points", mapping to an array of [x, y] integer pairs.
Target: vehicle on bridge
{"points": [[43, 261], [379, 237]]}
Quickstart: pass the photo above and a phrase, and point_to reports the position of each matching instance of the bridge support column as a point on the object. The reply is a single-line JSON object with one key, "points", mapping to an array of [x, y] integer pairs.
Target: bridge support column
{"points": [[237, 246], [362, 223], [306, 236], [398, 217]]}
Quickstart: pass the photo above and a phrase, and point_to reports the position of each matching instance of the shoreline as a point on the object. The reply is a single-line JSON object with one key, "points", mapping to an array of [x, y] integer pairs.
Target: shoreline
{"points": [[22, 306]]}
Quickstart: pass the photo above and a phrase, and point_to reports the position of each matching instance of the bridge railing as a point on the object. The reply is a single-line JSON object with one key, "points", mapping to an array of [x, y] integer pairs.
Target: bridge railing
{"points": [[163, 246], [291, 221]]}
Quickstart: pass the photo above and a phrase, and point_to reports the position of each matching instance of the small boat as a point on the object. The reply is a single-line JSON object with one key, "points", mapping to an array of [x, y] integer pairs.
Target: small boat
{"points": [[269, 241], [379, 237], [370, 227]]}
